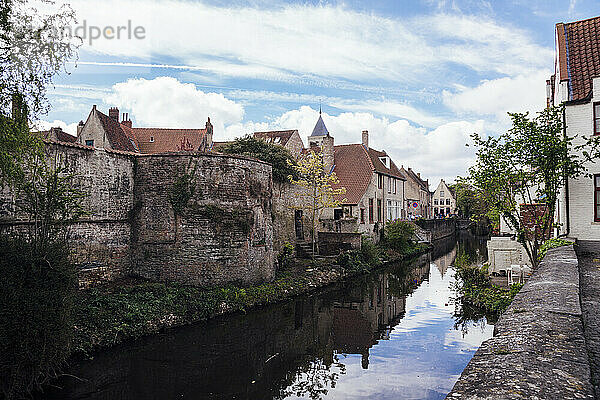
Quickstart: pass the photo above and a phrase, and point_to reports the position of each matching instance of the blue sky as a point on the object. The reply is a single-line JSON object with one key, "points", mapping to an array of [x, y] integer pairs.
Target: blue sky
{"points": [[421, 76]]}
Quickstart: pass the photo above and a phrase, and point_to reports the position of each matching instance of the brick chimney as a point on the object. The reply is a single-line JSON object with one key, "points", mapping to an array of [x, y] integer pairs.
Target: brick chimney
{"points": [[79, 128], [208, 140], [126, 121], [113, 113], [365, 139]]}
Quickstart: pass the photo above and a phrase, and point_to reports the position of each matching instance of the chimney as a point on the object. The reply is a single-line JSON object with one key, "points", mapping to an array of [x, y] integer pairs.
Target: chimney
{"points": [[208, 139], [79, 128], [126, 120], [365, 139], [419, 175], [113, 113]]}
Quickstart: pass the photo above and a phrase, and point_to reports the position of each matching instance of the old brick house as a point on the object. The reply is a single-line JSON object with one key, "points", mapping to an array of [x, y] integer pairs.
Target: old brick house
{"points": [[418, 196], [576, 84], [105, 131], [374, 184], [444, 201]]}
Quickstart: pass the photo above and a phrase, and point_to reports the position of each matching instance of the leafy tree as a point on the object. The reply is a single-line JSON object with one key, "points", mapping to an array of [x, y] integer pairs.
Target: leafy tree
{"points": [[528, 165], [399, 235], [279, 157], [472, 206], [33, 49], [318, 192]]}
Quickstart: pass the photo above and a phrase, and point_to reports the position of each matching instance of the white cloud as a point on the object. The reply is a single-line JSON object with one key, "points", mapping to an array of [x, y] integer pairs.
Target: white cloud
{"points": [[437, 153], [499, 96], [166, 102], [43, 125], [304, 41]]}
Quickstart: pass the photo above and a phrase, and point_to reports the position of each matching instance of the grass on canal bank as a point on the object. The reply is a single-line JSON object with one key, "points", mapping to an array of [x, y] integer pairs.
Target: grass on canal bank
{"points": [[476, 288], [108, 315]]}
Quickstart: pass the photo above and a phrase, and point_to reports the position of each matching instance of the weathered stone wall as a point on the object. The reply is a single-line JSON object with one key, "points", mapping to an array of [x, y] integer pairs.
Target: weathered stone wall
{"points": [[333, 243], [538, 350], [285, 201], [439, 228], [102, 237], [225, 232]]}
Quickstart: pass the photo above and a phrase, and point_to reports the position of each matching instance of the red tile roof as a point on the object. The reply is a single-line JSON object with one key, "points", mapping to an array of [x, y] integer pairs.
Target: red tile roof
{"points": [[579, 55], [354, 167], [275, 137], [163, 140], [354, 170], [57, 134]]}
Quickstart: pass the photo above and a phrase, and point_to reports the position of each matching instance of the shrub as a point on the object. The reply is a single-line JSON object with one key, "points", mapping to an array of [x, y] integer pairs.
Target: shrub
{"points": [[552, 244], [369, 252], [286, 255], [399, 235], [36, 307]]}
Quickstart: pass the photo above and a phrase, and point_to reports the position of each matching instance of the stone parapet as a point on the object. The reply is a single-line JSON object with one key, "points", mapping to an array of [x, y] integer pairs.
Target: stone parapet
{"points": [[538, 350]]}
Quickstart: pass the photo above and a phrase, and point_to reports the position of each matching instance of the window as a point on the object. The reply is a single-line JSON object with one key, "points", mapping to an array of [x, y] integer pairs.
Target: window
{"points": [[151, 139], [597, 198], [370, 211], [447, 202], [89, 143], [362, 215], [435, 210], [395, 185], [596, 118], [448, 210], [389, 184], [378, 209], [441, 193], [338, 213], [380, 181], [435, 202], [390, 208]]}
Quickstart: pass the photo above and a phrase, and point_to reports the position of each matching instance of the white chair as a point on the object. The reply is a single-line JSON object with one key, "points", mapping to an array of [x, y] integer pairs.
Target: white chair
{"points": [[513, 274]]}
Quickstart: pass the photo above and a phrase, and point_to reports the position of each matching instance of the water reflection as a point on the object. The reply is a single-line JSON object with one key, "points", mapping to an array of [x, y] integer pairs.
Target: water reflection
{"points": [[386, 335]]}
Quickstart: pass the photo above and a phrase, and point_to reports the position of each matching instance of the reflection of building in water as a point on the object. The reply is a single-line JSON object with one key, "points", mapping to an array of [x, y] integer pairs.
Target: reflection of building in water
{"points": [[268, 353], [368, 314], [443, 262]]}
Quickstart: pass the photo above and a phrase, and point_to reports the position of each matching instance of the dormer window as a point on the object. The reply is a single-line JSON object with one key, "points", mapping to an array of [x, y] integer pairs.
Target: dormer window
{"points": [[385, 161], [277, 140], [151, 139], [441, 193]]}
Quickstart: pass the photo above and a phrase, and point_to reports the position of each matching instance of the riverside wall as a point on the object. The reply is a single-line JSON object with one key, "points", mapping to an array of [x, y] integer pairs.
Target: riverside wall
{"points": [[224, 233], [538, 350], [438, 228]]}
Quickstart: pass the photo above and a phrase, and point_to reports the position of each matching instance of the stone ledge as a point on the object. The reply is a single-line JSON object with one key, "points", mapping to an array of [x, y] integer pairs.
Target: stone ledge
{"points": [[538, 350]]}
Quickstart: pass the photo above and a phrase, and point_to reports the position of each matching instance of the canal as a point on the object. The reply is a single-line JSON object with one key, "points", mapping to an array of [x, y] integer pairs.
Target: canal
{"points": [[397, 333]]}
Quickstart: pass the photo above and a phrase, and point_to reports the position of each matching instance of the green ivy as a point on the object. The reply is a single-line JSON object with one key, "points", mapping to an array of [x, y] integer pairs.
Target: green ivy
{"points": [[552, 244]]}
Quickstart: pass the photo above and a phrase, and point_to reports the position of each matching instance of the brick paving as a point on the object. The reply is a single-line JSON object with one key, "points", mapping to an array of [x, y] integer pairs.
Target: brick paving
{"points": [[589, 281]]}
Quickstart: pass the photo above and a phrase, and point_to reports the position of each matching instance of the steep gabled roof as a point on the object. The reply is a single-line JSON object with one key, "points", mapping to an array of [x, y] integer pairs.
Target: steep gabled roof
{"points": [[382, 169], [410, 173], [354, 171], [354, 167], [320, 129], [276, 137], [56, 134], [579, 55], [118, 138]]}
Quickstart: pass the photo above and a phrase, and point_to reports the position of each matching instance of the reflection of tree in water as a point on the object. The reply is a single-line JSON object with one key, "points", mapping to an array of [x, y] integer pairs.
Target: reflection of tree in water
{"points": [[313, 378], [467, 316]]}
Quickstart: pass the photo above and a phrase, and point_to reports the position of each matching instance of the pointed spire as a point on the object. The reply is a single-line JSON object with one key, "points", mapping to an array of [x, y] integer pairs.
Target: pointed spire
{"points": [[320, 128]]}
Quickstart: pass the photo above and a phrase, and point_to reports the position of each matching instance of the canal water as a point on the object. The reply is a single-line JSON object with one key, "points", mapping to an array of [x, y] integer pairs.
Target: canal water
{"points": [[395, 334]]}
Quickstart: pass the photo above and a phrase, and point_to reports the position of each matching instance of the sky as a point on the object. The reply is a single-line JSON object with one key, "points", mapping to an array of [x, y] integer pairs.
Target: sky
{"points": [[420, 76]]}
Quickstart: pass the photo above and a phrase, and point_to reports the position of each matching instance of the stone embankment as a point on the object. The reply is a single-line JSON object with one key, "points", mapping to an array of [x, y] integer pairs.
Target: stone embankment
{"points": [[538, 350]]}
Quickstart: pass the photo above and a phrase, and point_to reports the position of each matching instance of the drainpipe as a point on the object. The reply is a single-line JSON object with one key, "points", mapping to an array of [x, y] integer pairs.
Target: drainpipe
{"points": [[568, 218]]}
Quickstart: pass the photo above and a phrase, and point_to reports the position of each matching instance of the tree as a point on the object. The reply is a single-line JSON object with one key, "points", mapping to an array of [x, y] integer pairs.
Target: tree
{"points": [[279, 157], [318, 192], [33, 49], [528, 165], [471, 206]]}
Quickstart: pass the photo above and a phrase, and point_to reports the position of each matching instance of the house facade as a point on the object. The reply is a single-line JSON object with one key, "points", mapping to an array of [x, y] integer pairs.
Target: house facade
{"points": [[106, 131], [576, 84], [418, 196], [444, 201], [374, 184]]}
